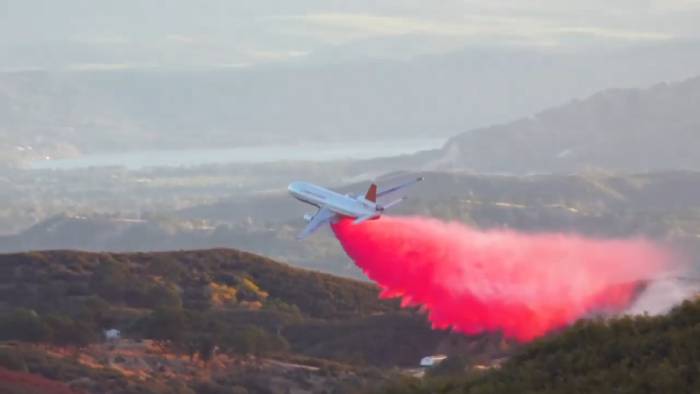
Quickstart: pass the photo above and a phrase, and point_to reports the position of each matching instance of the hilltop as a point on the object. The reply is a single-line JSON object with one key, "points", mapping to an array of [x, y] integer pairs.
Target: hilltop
{"points": [[223, 321], [205, 315]]}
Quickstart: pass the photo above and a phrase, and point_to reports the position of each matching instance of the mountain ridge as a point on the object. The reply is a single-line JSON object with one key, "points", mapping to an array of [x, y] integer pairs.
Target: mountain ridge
{"points": [[58, 113], [613, 130]]}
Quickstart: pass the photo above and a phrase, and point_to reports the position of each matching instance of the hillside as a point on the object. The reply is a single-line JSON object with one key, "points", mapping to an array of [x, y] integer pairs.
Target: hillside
{"points": [[627, 355], [204, 314], [13, 382], [628, 130]]}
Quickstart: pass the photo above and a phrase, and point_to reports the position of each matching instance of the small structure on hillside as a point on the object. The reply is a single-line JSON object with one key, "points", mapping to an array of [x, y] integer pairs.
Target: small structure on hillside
{"points": [[112, 335], [432, 361]]}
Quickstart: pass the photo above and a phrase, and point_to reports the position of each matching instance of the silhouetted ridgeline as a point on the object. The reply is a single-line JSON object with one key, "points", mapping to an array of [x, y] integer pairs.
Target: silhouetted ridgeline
{"points": [[630, 130]]}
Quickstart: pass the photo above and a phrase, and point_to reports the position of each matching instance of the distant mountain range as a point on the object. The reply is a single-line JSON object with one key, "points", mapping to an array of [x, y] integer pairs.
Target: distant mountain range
{"points": [[630, 130], [440, 95]]}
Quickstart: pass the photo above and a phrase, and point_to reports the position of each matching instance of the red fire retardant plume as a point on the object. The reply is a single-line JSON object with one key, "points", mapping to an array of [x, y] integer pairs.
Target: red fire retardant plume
{"points": [[475, 281]]}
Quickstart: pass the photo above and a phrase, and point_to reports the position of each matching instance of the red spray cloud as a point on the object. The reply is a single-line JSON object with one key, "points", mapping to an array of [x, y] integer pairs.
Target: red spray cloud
{"points": [[521, 285]]}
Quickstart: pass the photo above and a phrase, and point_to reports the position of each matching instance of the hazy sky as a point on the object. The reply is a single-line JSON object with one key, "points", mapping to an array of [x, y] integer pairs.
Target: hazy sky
{"points": [[94, 33]]}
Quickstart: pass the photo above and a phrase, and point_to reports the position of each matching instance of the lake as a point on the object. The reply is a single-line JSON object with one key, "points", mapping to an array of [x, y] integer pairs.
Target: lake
{"points": [[315, 152]]}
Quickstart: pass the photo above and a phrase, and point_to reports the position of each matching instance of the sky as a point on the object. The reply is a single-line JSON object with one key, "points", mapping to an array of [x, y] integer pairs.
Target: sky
{"points": [[227, 33]]}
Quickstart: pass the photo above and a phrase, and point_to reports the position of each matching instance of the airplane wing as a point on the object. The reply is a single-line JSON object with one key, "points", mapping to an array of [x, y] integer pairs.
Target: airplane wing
{"points": [[364, 218], [324, 215], [392, 203], [398, 187]]}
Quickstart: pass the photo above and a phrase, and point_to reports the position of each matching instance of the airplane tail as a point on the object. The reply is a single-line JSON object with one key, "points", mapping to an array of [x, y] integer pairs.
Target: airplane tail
{"points": [[371, 193]]}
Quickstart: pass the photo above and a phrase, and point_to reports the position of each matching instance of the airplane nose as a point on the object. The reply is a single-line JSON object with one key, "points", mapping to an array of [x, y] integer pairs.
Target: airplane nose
{"points": [[293, 187]]}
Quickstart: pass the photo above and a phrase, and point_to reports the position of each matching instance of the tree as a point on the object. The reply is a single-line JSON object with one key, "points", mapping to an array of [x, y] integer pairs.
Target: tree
{"points": [[23, 325], [164, 297], [110, 279], [206, 349], [166, 324], [254, 340], [67, 332], [167, 268], [13, 360]]}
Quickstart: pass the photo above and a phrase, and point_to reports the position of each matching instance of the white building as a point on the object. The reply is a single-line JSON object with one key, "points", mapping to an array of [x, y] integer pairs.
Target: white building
{"points": [[432, 361], [112, 334]]}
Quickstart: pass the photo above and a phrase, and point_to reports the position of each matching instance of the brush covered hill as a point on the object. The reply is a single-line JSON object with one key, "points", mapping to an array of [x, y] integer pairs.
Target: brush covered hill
{"points": [[220, 318], [637, 354]]}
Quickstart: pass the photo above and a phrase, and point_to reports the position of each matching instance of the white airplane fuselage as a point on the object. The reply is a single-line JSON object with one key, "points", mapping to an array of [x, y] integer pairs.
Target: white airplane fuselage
{"points": [[342, 204], [333, 206]]}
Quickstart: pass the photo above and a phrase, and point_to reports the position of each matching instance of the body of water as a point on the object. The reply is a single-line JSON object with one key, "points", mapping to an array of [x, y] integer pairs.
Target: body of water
{"points": [[315, 152]]}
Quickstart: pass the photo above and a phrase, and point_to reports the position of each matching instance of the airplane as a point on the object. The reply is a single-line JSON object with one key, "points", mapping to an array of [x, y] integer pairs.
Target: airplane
{"points": [[333, 206]]}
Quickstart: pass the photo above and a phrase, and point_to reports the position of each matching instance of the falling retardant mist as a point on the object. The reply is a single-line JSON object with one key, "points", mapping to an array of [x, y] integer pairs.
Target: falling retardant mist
{"points": [[521, 285]]}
